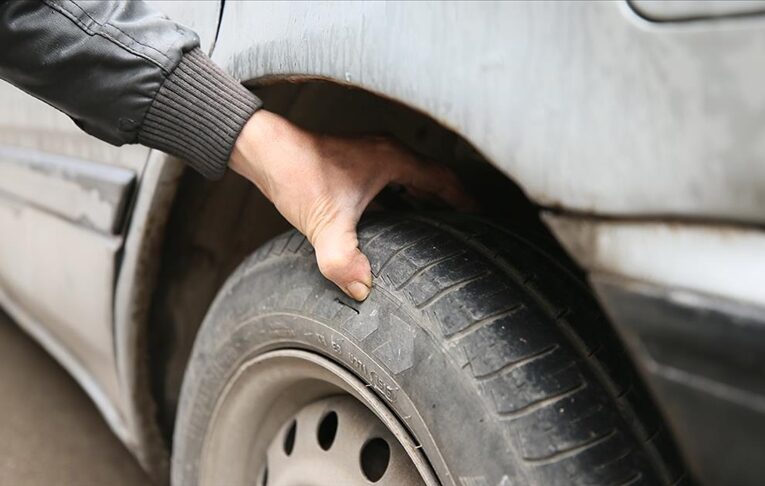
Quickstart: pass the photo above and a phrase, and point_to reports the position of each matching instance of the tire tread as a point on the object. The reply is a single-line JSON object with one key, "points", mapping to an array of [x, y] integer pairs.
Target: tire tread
{"points": [[581, 415], [579, 340]]}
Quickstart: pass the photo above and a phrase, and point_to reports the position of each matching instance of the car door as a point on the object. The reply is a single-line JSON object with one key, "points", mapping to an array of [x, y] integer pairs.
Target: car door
{"points": [[65, 200]]}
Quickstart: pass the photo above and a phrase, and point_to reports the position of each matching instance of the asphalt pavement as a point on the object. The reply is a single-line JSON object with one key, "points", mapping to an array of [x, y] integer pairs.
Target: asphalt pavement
{"points": [[50, 432]]}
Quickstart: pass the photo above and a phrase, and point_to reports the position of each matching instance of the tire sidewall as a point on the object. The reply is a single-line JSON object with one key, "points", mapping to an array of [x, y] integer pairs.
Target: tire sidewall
{"points": [[283, 303]]}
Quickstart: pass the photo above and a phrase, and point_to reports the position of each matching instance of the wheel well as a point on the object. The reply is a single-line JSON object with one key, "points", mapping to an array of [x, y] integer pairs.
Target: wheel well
{"points": [[213, 226]]}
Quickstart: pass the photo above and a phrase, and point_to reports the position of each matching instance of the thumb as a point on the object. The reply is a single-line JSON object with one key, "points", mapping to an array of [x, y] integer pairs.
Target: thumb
{"points": [[341, 261]]}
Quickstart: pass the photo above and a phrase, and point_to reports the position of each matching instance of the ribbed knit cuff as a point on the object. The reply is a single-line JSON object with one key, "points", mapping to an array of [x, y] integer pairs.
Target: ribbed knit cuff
{"points": [[198, 114]]}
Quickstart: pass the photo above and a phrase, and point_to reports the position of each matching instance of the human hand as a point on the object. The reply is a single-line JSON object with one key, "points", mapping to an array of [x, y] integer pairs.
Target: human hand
{"points": [[322, 185]]}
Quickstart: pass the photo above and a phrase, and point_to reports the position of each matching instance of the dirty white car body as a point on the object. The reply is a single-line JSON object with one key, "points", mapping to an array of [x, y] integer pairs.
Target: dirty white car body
{"points": [[638, 133]]}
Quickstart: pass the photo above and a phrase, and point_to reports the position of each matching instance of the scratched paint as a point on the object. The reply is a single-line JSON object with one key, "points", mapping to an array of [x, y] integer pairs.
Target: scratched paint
{"points": [[86, 193]]}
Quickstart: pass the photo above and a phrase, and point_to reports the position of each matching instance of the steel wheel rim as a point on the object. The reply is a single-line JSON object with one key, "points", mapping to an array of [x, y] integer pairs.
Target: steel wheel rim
{"points": [[251, 419]]}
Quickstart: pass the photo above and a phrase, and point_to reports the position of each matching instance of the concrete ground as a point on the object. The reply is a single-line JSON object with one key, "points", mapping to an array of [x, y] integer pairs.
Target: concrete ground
{"points": [[50, 431]]}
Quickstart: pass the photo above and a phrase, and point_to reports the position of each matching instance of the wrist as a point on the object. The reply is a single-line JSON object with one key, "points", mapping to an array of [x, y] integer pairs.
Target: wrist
{"points": [[248, 156], [250, 138], [265, 147]]}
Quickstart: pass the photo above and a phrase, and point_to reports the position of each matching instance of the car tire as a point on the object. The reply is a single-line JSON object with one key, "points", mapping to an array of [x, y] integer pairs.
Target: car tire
{"points": [[492, 355]]}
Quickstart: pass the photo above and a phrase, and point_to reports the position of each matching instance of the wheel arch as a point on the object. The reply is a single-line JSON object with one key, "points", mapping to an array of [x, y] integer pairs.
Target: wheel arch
{"points": [[187, 235], [583, 104]]}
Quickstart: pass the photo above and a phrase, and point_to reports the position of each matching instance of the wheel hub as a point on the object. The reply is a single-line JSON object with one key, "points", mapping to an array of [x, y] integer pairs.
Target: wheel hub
{"points": [[293, 418], [336, 441]]}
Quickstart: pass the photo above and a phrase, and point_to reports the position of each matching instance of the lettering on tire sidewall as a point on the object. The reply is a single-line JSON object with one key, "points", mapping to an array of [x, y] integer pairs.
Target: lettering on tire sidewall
{"points": [[321, 337]]}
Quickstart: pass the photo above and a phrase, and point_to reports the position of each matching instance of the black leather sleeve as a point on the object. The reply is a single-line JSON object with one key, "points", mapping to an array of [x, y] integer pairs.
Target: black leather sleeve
{"points": [[126, 74]]}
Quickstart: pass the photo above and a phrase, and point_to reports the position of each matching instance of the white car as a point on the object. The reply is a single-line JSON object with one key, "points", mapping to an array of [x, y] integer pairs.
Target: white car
{"points": [[602, 321]]}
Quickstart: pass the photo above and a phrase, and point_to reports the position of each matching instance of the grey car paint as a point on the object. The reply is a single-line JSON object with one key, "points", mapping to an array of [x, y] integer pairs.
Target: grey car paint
{"points": [[63, 197], [584, 104], [683, 10], [57, 232], [89, 194], [710, 259], [591, 109]]}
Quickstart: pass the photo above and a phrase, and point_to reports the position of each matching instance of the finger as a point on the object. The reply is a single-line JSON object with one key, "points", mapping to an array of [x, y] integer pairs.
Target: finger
{"points": [[436, 180], [340, 259]]}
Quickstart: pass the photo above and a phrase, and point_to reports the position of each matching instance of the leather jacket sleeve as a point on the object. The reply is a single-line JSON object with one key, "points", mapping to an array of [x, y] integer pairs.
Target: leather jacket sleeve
{"points": [[125, 74]]}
